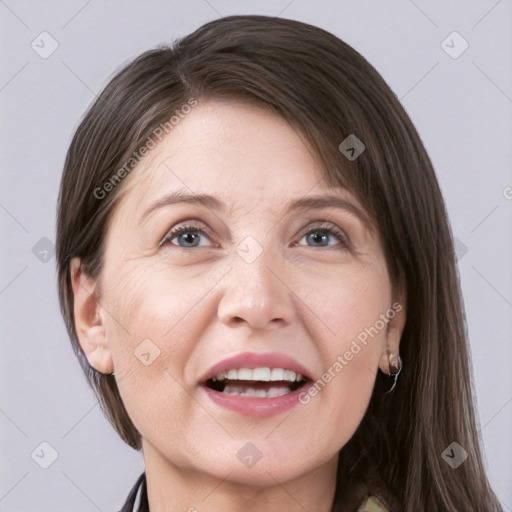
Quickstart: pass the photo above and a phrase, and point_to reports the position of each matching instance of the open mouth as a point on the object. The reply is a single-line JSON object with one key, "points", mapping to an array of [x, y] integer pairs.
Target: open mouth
{"points": [[257, 382]]}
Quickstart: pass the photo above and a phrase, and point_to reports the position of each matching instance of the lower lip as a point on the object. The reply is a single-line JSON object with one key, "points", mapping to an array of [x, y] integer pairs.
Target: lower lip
{"points": [[256, 406]]}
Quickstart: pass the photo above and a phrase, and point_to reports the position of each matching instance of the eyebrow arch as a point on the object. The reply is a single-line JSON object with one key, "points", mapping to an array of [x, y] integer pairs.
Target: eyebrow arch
{"points": [[302, 204], [329, 201]]}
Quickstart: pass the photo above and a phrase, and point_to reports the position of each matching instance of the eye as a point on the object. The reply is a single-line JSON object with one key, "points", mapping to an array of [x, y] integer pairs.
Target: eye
{"points": [[323, 234], [189, 235]]}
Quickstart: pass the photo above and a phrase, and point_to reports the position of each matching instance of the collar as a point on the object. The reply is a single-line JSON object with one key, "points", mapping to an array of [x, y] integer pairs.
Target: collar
{"points": [[137, 500], [373, 503]]}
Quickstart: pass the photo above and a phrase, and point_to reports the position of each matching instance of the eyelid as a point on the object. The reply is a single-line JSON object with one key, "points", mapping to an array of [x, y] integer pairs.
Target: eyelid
{"points": [[318, 225], [331, 228], [184, 226]]}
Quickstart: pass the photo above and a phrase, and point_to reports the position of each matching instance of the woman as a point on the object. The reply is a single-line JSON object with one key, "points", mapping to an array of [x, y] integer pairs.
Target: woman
{"points": [[257, 274]]}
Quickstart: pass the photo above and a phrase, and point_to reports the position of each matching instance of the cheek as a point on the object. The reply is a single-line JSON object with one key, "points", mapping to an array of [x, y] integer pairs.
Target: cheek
{"points": [[154, 324], [350, 333], [346, 305], [152, 301]]}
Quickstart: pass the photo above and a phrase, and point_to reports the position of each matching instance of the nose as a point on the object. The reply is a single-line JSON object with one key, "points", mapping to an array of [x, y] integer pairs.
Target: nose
{"points": [[257, 293]]}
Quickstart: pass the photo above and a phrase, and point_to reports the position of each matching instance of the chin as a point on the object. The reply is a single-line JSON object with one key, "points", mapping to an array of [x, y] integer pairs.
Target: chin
{"points": [[261, 463]]}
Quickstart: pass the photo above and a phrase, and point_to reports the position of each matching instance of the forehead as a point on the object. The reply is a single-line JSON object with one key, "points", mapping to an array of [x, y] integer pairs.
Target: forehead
{"points": [[246, 155]]}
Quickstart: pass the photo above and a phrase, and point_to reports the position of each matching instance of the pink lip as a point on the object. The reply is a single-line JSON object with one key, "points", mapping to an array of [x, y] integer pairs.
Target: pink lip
{"points": [[251, 405], [254, 406]]}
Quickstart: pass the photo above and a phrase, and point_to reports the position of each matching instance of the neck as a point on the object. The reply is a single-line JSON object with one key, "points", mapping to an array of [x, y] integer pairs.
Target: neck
{"points": [[190, 490]]}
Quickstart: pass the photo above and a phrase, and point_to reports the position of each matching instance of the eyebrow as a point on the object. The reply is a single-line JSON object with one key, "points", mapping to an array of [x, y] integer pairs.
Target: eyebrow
{"points": [[302, 204]]}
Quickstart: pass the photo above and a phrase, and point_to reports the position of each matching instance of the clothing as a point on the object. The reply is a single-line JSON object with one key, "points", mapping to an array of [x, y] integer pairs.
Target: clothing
{"points": [[373, 503], [137, 500]]}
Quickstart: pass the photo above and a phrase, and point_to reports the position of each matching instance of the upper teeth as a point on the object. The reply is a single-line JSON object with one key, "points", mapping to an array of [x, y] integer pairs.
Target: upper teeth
{"points": [[261, 374]]}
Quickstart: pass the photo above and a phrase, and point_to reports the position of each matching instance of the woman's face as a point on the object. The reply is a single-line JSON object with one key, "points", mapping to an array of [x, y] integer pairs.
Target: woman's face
{"points": [[187, 318]]}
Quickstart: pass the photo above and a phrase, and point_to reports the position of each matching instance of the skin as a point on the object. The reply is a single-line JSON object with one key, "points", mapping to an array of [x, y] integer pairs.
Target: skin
{"points": [[305, 297]]}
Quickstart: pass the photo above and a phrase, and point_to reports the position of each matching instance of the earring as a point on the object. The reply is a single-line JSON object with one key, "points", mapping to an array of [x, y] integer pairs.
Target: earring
{"points": [[395, 367]]}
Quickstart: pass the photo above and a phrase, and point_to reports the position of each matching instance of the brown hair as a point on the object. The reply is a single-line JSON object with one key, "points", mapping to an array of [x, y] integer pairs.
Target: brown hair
{"points": [[326, 90]]}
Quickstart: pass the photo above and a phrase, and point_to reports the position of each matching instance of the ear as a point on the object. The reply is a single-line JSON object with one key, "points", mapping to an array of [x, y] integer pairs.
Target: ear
{"points": [[394, 328], [88, 318]]}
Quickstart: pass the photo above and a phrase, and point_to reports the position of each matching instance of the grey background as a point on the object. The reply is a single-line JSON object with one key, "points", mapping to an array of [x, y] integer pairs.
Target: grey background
{"points": [[461, 106]]}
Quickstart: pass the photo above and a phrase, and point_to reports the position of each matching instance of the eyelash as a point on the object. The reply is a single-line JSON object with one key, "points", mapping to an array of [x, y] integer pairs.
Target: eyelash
{"points": [[325, 228]]}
